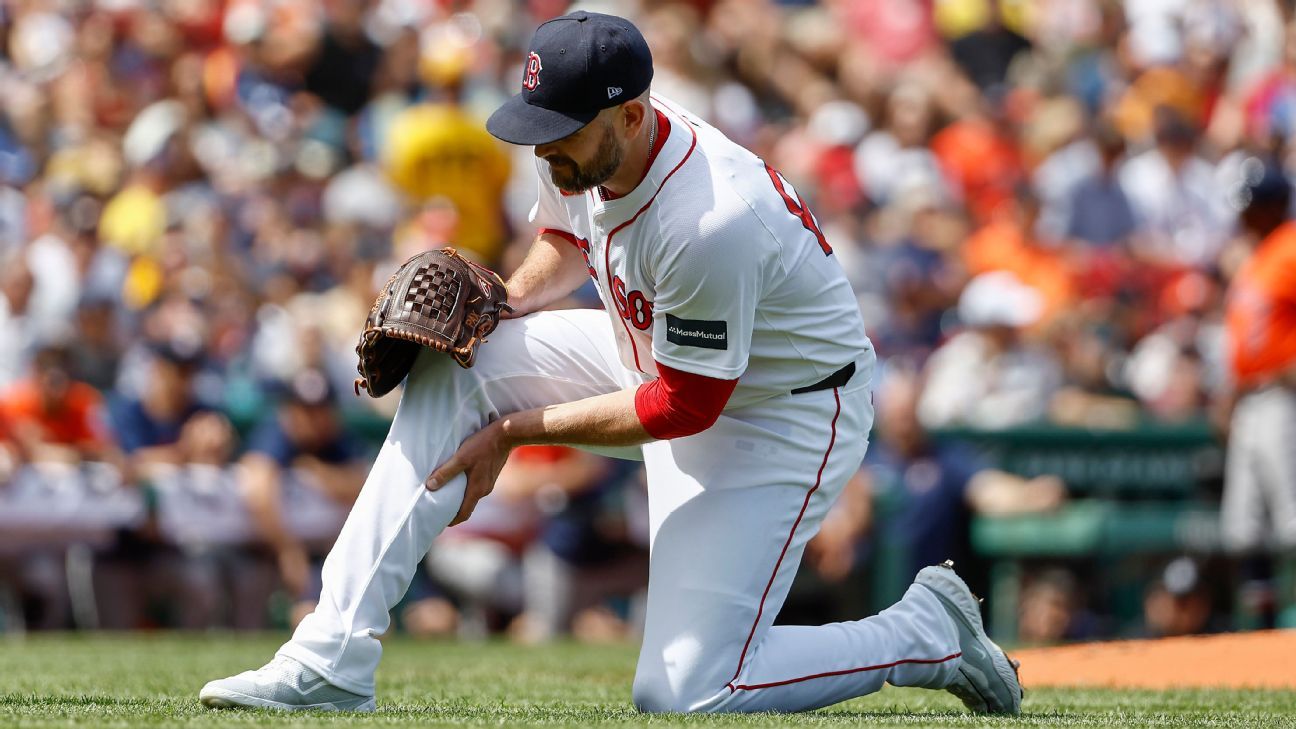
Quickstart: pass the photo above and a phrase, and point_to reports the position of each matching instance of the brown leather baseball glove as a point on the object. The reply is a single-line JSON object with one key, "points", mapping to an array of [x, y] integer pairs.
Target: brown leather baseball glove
{"points": [[437, 299]]}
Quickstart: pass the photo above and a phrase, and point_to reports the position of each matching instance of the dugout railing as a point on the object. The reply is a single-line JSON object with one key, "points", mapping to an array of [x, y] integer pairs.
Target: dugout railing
{"points": [[1138, 497]]}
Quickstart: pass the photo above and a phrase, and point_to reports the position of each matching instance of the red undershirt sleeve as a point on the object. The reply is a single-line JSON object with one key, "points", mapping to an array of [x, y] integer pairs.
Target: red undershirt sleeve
{"points": [[679, 403]]}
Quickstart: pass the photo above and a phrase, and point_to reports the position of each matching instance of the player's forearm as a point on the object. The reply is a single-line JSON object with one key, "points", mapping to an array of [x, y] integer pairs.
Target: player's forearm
{"points": [[602, 420], [552, 269]]}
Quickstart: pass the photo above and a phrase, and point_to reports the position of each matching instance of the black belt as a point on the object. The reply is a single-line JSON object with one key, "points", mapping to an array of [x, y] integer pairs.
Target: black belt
{"points": [[836, 379]]}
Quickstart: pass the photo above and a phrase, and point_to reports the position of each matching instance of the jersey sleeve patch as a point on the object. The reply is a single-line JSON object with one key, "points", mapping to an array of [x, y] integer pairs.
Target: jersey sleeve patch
{"points": [[703, 333]]}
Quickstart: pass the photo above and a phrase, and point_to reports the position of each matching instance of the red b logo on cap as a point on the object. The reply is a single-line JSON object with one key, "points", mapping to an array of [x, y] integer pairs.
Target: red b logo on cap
{"points": [[531, 78]]}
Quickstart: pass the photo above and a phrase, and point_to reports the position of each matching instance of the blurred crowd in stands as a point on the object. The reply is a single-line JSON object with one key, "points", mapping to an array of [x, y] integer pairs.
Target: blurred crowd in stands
{"points": [[1036, 201]]}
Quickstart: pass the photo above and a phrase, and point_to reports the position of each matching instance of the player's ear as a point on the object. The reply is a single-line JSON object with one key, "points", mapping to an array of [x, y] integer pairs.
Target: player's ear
{"points": [[633, 114]]}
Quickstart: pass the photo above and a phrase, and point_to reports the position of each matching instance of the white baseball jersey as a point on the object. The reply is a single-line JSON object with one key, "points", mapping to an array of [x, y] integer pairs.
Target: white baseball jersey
{"points": [[713, 265]]}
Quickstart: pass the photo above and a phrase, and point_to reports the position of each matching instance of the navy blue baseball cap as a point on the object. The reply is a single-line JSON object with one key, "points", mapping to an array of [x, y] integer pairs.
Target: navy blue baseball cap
{"points": [[579, 64]]}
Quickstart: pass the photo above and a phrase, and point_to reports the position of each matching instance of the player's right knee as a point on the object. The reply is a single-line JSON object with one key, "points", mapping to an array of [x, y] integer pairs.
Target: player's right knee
{"points": [[653, 695]]}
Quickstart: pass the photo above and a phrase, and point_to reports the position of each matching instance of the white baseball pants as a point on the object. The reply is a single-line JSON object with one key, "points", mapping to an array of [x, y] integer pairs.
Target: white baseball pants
{"points": [[1259, 504], [731, 510]]}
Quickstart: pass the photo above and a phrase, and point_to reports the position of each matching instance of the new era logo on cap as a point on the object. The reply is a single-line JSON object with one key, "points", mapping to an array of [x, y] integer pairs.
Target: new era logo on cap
{"points": [[614, 91]]}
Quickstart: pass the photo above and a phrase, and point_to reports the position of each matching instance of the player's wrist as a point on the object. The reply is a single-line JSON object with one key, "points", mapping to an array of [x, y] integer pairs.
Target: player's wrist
{"points": [[526, 294], [508, 432], [517, 300]]}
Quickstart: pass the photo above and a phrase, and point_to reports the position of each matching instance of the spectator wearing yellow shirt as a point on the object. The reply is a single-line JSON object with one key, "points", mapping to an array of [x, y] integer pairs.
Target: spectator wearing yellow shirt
{"points": [[438, 152]]}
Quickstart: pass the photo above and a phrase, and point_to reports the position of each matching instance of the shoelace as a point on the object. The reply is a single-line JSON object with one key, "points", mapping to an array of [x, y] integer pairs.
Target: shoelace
{"points": [[280, 669]]}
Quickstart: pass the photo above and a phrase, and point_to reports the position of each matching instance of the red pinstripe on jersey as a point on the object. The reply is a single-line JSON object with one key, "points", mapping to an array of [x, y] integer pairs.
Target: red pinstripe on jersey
{"points": [[845, 672]]}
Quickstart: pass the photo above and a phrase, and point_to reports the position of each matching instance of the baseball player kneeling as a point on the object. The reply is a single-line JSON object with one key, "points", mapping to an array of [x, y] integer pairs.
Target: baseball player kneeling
{"points": [[731, 359]]}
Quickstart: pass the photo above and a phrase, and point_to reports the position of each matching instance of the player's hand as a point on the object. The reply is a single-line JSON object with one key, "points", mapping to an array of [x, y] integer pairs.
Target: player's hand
{"points": [[480, 458]]}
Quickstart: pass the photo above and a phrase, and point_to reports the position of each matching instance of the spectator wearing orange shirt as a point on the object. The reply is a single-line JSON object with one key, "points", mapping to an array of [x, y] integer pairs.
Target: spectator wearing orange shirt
{"points": [[1260, 476], [1009, 243], [979, 155], [51, 417]]}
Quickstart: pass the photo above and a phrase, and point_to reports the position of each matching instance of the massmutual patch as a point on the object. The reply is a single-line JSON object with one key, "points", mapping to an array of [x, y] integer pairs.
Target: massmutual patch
{"points": [[697, 333]]}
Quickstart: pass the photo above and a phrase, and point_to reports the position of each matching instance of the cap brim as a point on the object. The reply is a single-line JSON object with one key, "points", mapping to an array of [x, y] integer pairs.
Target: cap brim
{"points": [[518, 122]]}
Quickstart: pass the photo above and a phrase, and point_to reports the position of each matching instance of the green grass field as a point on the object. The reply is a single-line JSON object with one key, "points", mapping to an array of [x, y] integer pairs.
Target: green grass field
{"points": [[132, 680]]}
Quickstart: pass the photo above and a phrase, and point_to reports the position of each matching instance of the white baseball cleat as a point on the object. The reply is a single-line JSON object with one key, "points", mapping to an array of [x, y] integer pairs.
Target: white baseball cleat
{"points": [[987, 680], [282, 684]]}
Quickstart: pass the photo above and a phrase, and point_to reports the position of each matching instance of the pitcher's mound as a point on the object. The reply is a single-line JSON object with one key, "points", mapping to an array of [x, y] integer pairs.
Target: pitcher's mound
{"points": [[1265, 659]]}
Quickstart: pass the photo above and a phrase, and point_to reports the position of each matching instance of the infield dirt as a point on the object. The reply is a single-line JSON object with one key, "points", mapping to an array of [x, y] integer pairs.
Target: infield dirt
{"points": [[1264, 659]]}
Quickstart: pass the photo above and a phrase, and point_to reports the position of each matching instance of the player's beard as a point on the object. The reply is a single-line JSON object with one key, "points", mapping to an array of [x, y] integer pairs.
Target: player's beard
{"points": [[574, 179]]}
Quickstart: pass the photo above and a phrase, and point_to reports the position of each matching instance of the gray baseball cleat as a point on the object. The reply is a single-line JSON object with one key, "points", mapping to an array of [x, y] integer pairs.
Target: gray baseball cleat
{"points": [[987, 680], [282, 684]]}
